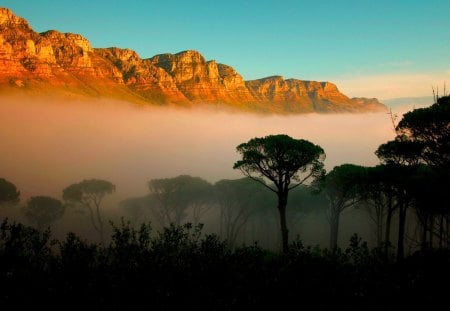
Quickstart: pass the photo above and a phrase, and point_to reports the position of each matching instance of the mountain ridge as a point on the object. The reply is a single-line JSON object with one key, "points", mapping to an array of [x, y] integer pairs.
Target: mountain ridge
{"points": [[54, 62]]}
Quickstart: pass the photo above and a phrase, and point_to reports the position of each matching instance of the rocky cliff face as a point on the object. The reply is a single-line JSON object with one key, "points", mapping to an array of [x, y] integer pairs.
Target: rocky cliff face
{"points": [[203, 81], [306, 96], [17, 45], [142, 77], [67, 63]]}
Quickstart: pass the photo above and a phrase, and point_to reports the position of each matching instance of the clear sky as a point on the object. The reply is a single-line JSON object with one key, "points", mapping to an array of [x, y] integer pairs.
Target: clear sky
{"points": [[383, 48]]}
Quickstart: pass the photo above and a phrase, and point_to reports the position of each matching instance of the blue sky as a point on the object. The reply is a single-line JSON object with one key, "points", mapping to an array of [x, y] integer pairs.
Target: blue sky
{"points": [[369, 48]]}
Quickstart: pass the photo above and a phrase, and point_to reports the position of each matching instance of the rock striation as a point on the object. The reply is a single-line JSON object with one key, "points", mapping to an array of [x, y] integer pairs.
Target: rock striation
{"points": [[203, 81], [66, 63]]}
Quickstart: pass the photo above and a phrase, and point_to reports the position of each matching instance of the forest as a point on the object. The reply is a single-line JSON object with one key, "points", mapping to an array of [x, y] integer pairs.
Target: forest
{"points": [[241, 243]]}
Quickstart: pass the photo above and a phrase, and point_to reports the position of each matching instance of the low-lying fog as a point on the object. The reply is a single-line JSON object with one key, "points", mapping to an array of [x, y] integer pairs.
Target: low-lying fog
{"points": [[47, 144]]}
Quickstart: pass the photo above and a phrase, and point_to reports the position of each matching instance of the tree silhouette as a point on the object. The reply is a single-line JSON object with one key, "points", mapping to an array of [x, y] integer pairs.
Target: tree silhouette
{"points": [[380, 196], [400, 151], [137, 209], [42, 211], [430, 127], [8, 192], [304, 200], [400, 158], [423, 136], [176, 197], [89, 194], [430, 203], [284, 161], [342, 187], [238, 200]]}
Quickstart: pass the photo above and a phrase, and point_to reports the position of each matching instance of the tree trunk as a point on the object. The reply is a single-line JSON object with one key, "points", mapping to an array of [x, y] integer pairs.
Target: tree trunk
{"points": [[379, 224], [424, 232], [221, 223], [100, 222], [387, 237], [334, 228], [447, 227], [93, 221], [401, 232], [282, 202], [431, 231]]}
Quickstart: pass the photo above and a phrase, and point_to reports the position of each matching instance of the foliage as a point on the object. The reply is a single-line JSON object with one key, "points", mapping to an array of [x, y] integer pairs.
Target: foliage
{"points": [[343, 188], [379, 193], [281, 159], [77, 255], [344, 182], [89, 194], [179, 266], [423, 138], [284, 161], [305, 199], [8, 192], [238, 200], [43, 211], [430, 127], [22, 245], [176, 196], [137, 209], [400, 151]]}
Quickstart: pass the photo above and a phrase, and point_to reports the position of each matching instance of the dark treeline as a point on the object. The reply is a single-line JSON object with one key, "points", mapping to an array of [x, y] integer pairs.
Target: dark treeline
{"points": [[238, 243], [180, 267]]}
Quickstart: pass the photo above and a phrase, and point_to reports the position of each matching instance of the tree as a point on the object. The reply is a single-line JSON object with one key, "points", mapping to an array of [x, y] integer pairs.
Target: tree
{"points": [[237, 200], [89, 194], [177, 196], [199, 194], [380, 195], [430, 127], [284, 161], [400, 151], [8, 192], [401, 159], [137, 209], [423, 136], [42, 211], [342, 187], [303, 200]]}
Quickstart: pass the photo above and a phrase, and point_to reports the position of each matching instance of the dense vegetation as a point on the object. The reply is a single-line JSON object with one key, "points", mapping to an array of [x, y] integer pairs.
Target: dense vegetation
{"points": [[179, 267], [178, 264]]}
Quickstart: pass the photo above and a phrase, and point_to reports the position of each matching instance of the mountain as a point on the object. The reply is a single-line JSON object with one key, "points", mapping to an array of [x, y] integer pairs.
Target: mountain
{"points": [[413, 102], [52, 62]]}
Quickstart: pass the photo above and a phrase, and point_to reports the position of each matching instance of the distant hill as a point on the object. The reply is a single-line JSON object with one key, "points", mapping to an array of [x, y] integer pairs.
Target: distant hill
{"points": [[402, 105], [412, 102], [52, 62]]}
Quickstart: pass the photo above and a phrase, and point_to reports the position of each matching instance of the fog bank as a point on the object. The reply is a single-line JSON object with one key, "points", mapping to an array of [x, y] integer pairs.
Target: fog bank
{"points": [[48, 144]]}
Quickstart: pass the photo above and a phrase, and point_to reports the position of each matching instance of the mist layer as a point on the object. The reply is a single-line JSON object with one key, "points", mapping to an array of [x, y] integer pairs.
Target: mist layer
{"points": [[49, 144]]}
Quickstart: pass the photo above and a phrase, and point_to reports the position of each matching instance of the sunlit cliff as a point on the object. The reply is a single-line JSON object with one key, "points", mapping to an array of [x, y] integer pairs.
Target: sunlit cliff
{"points": [[52, 62]]}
